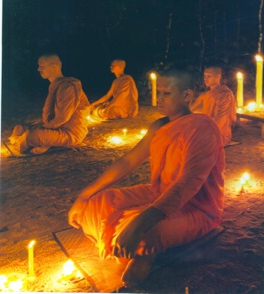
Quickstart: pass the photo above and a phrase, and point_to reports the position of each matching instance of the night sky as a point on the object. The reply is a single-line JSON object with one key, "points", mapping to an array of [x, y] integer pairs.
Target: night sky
{"points": [[88, 34]]}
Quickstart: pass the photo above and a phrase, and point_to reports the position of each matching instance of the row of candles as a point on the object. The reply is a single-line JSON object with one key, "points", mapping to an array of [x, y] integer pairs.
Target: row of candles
{"points": [[15, 284], [240, 85]]}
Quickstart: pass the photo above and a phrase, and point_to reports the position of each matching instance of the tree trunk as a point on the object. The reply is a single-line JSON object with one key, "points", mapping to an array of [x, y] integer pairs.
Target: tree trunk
{"points": [[260, 26]]}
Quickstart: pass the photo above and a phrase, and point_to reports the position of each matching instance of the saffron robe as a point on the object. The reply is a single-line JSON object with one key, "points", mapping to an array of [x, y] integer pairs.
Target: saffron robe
{"points": [[220, 105], [187, 163], [64, 116], [125, 100]]}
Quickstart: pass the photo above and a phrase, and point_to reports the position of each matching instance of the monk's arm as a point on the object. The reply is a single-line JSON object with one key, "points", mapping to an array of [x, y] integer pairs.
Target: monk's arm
{"points": [[106, 97], [122, 167], [66, 104], [197, 103]]}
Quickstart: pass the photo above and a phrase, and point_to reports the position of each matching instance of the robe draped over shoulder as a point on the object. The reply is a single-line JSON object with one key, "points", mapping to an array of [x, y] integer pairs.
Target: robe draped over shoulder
{"points": [[66, 108], [187, 184], [220, 105], [125, 99]]}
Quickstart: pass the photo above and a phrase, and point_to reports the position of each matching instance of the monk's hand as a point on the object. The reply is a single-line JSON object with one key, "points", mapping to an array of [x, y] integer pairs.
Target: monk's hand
{"points": [[76, 212], [127, 242]]}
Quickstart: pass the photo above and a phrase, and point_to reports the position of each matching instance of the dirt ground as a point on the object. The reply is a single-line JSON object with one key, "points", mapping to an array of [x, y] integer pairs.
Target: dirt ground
{"points": [[38, 191]]}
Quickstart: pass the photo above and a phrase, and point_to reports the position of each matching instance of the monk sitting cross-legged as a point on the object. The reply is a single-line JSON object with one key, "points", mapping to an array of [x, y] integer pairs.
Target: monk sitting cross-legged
{"points": [[64, 122], [121, 101], [184, 200], [218, 102]]}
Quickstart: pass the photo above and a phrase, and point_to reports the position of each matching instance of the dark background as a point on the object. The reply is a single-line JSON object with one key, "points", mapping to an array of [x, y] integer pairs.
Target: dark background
{"points": [[88, 34]]}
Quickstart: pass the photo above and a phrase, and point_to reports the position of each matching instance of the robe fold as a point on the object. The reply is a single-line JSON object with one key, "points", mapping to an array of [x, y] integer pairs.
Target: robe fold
{"points": [[187, 163], [64, 116], [125, 99], [220, 105]]}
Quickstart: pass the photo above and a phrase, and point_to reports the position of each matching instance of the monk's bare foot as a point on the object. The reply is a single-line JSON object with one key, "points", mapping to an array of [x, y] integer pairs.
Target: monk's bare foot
{"points": [[39, 150], [18, 131], [137, 270]]}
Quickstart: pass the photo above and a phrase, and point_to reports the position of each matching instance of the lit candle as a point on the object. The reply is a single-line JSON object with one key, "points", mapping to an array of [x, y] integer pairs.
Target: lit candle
{"points": [[244, 181], [240, 89], [31, 258], [259, 77], [124, 131], [153, 78]]}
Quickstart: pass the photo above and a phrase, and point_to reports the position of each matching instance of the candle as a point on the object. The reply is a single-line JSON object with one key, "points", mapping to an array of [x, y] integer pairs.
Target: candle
{"points": [[153, 78], [31, 258], [124, 131], [240, 89], [259, 77]]}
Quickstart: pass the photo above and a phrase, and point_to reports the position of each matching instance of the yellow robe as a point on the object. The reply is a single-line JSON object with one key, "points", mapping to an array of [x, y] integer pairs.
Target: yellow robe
{"points": [[64, 116], [220, 105], [125, 99]]}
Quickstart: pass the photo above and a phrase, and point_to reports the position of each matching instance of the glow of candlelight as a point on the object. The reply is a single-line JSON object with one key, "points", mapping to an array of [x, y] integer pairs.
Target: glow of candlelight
{"points": [[244, 181], [153, 78], [31, 258], [259, 77], [143, 132], [240, 102], [3, 280], [125, 132], [116, 140], [68, 267], [15, 286], [251, 106]]}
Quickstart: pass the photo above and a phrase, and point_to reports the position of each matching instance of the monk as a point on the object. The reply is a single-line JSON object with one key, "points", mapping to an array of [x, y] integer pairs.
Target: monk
{"points": [[184, 200], [64, 121], [121, 101], [218, 102]]}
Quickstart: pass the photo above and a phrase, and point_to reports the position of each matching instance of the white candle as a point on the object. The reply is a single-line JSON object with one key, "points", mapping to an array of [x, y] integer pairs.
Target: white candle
{"points": [[153, 78], [31, 258], [259, 77], [125, 132], [240, 102]]}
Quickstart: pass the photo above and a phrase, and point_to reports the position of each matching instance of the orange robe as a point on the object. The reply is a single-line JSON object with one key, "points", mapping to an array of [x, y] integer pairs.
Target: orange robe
{"points": [[64, 116], [187, 163], [125, 99], [220, 105]]}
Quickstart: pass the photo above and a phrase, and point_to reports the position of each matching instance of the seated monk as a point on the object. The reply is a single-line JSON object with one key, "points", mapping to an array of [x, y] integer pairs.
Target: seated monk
{"points": [[124, 94], [218, 102], [184, 200], [64, 121]]}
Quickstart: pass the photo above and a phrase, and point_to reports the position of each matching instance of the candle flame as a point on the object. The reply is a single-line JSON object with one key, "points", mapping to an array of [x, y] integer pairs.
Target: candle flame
{"points": [[153, 76], [68, 267], [31, 244], [251, 106], [143, 132], [15, 286], [115, 140], [244, 179], [3, 280], [124, 131], [259, 58], [239, 75]]}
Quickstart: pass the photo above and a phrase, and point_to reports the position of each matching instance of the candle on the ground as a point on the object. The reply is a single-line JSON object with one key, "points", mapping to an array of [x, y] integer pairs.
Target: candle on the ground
{"points": [[31, 258], [153, 78], [240, 102], [259, 77]]}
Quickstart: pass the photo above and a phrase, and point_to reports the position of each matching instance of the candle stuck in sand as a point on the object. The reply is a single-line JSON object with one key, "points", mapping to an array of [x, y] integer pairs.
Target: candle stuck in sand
{"points": [[259, 77], [31, 271], [153, 78], [240, 102]]}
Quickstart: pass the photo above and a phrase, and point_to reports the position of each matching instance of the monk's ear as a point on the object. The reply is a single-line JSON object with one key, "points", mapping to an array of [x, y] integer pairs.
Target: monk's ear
{"points": [[188, 95]]}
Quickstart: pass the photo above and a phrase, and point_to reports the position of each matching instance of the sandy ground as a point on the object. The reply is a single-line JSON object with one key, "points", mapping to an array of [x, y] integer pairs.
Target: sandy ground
{"points": [[37, 192]]}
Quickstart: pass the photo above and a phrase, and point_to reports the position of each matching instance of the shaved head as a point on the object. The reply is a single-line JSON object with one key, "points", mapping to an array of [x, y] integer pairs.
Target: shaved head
{"points": [[51, 59]]}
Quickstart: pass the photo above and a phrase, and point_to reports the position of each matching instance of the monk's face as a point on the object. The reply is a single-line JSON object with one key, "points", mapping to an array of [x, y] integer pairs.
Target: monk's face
{"points": [[45, 68], [116, 68], [211, 77], [171, 100]]}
